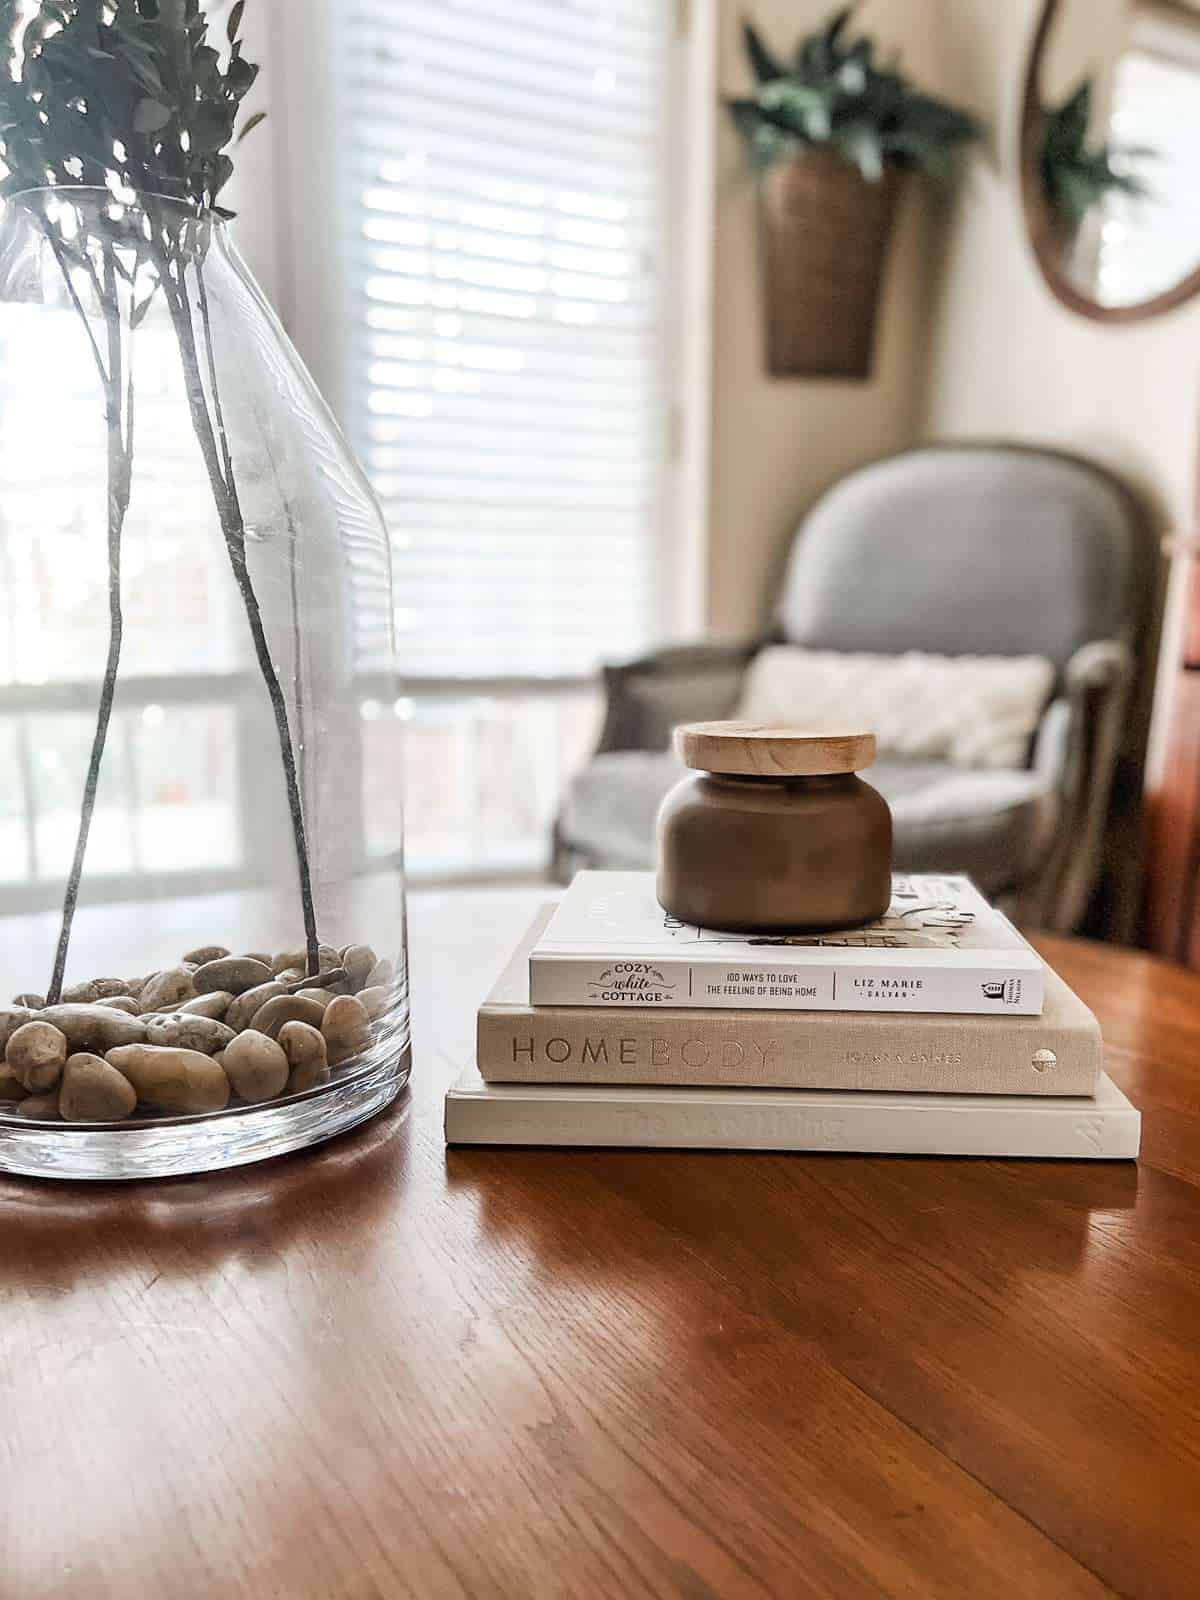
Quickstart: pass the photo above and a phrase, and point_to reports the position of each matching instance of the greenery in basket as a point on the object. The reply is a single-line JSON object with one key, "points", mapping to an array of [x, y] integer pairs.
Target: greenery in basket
{"points": [[1074, 176], [832, 92], [131, 97]]}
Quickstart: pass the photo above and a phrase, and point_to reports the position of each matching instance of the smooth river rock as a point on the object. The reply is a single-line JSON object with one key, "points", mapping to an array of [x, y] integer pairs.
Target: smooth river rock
{"points": [[381, 973], [346, 1027], [241, 1012], [172, 1080], [234, 974], [95, 989], [206, 953], [40, 1107], [169, 988], [286, 1008], [99, 1028], [12, 1018], [36, 1055], [308, 1061], [322, 997], [187, 1031], [93, 1091], [256, 1066], [11, 1087], [375, 1001], [359, 960], [213, 1005]]}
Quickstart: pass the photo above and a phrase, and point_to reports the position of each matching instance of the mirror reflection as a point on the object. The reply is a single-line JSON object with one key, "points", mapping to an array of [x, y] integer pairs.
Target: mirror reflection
{"points": [[1118, 146]]}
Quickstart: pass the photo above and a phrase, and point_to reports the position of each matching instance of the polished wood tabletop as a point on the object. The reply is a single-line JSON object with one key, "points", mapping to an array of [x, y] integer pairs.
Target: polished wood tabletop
{"points": [[381, 1369]]}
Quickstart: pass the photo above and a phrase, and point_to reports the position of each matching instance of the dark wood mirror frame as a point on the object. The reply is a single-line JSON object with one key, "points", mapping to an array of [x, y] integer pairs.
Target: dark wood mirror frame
{"points": [[1037, 219]]}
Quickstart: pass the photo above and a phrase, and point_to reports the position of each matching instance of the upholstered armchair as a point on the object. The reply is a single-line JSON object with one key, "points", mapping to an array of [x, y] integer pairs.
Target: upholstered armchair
{"points": [[971, 550]]}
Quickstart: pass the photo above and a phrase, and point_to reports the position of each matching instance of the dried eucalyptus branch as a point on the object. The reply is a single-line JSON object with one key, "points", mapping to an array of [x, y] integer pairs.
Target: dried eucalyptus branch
{"points": [[129, 96], [118, 394], [118, 391], [210, 432]]}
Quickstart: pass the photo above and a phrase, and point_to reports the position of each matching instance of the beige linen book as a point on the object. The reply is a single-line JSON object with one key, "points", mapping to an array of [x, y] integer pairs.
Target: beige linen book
{"points": [[1057, 1053], [1103, 1128]]}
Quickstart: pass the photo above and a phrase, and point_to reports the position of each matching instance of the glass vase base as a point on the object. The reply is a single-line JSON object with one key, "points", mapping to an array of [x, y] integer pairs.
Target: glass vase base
{"points": [[173, 1147]]}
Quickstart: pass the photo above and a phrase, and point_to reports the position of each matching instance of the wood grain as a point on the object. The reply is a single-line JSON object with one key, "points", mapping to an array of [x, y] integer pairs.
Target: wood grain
{"points": [[379, 1370], [1174, 827], [772, 750]]}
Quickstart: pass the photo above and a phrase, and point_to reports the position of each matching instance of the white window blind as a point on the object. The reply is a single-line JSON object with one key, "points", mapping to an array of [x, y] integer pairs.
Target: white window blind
{"points": [[504, 187]]}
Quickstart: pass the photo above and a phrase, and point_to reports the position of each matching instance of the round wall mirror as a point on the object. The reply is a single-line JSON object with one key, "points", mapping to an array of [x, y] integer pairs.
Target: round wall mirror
{"points": [[1110, 154]]}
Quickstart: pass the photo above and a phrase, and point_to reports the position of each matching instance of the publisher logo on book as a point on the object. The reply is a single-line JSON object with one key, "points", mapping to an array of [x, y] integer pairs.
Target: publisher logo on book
{"points": [[1005, 992], [632, 982]]}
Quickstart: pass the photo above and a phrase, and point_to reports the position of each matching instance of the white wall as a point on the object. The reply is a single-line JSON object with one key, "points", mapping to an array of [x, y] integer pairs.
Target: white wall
{"points": [[776, 443], [1006, 358], [972, 343]]}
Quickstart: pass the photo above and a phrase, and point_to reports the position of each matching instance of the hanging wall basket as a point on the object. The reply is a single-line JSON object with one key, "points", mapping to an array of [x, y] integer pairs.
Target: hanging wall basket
{"points": [[825, 236]]}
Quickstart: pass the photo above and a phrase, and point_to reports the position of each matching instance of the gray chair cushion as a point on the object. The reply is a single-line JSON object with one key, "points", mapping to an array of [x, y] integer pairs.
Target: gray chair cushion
{"points": [[993, 825], [654, 703], [968, 550]]}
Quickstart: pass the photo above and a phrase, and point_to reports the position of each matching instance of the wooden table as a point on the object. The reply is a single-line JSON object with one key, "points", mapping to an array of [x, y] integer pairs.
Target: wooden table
{"points": [[381, 1370]]}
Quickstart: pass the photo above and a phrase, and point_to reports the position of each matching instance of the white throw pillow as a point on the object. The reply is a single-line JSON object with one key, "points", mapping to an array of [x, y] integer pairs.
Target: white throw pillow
{"points": [[973, 711]]}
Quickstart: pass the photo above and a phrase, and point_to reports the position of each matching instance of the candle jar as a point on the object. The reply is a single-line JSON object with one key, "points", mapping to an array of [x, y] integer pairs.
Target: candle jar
{"points": [[773, 832]]}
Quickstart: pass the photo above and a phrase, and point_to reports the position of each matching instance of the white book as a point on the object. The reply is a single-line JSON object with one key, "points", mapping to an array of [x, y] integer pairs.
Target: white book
{"points": [[1103, 1128], [941, 947]]}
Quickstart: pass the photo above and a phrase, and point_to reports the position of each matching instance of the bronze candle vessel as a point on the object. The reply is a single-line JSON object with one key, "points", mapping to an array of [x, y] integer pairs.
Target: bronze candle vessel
{"points": [[773, 832]]}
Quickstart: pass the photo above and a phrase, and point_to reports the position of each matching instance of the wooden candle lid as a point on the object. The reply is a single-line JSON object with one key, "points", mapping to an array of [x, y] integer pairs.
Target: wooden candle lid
{"points": [[772, 750]]}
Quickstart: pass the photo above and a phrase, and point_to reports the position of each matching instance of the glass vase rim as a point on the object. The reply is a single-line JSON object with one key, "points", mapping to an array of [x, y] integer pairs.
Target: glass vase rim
{"points": [[206, 214]]}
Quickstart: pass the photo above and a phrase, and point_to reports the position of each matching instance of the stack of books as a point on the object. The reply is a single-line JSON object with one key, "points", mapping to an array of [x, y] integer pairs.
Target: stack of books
{"points": [[938, 1031]]}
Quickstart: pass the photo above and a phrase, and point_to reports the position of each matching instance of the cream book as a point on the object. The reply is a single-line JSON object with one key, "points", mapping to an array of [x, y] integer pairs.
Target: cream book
{"points": [[1058, 1052], [1103, 1128], [941, 947]]}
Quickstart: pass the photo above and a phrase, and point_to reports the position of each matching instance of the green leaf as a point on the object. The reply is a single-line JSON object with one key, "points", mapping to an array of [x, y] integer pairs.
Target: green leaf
{"points": [[837, 24], [211, 128], [150, 116], [235, 21], [745, 116], [1075, 114], [861, 144], [250, 124], [798, 108], [1075, 177], [763, 63], [831, 91], [147, 76], [222, 171], [99, 90], [240, 76]]}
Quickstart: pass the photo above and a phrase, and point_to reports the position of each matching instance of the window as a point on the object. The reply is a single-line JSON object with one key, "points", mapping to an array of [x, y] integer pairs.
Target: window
{"points": [[502, 344], [174, 802], [503, 176], [171, 803], [468, 216]]}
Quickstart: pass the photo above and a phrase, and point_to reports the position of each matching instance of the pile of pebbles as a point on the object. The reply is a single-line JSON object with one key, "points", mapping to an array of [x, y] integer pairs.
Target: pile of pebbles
{"points": [[214, 1029]]}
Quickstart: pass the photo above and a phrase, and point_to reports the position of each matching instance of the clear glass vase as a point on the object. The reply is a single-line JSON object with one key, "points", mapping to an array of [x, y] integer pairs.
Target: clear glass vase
{"points": [[201, 843]]}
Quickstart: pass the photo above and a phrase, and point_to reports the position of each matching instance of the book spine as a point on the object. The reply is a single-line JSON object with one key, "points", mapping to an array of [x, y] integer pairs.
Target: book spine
{"points": [[925, 1055], [1044, 1131], [556, 980]]}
